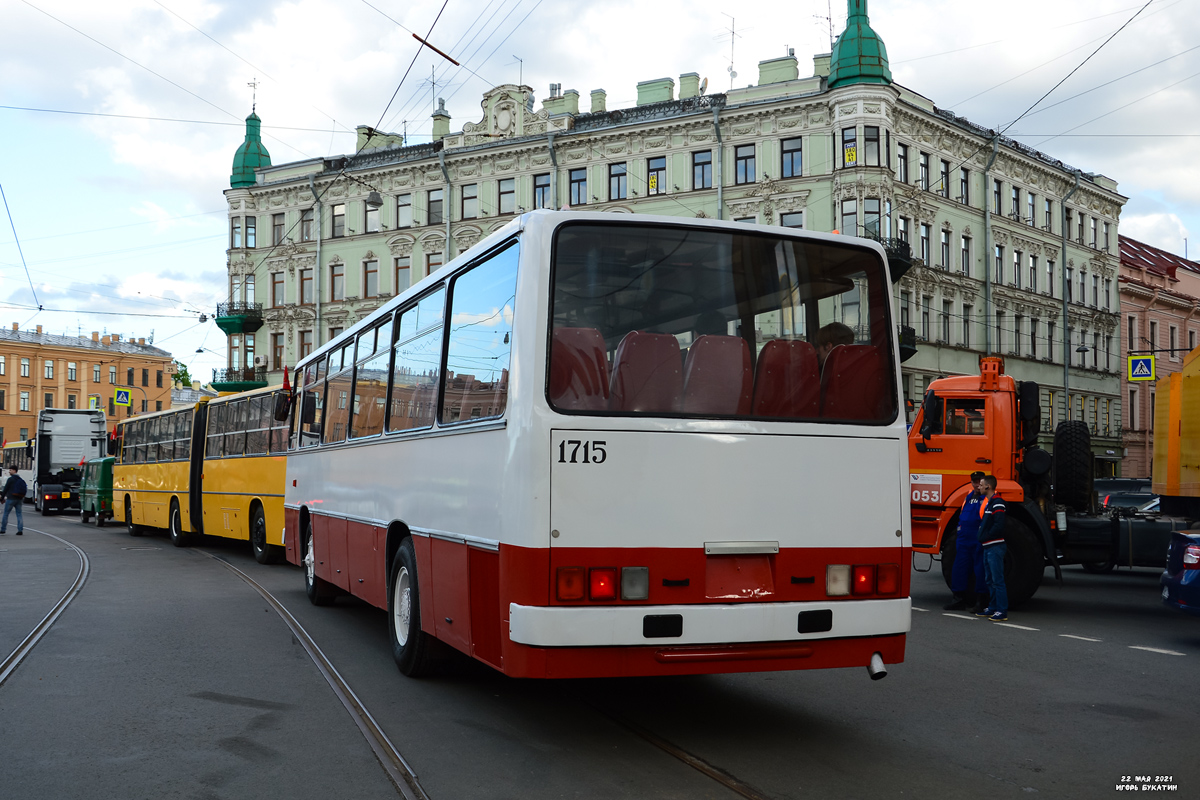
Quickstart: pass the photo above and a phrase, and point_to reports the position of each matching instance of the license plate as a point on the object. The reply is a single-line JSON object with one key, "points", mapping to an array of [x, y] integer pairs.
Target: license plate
{"points": [[1166, 593], [66, 494]]}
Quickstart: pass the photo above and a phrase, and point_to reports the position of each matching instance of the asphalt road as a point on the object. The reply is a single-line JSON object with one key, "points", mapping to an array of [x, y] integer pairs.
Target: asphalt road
{"points": [[168, 676]]}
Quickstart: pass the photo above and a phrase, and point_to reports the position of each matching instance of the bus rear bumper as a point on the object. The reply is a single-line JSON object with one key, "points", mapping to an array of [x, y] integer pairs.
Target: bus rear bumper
{"points": [[708, 624]]}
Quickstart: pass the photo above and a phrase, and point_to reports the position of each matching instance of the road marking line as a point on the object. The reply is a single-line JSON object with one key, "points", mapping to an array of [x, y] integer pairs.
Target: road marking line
{"points": [[914, 608], [1080, 638], [1018, 627], [962, 616], [1155, 650]]}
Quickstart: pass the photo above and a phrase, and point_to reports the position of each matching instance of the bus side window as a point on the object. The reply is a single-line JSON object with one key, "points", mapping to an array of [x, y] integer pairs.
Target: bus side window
{"points": [[312, 412], [416, 365], [215, 440], [235, 428], [370, 382], [477, 356]]}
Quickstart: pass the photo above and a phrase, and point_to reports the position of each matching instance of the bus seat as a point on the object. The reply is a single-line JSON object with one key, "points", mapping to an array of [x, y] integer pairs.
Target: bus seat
{"points": [[787, 383], [717, 378], [647, 375], [853, 383], [578, 370]]}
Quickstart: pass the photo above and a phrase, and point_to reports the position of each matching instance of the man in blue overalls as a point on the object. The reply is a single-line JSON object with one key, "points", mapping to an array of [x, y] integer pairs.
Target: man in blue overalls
{"points": [[968, 555]]}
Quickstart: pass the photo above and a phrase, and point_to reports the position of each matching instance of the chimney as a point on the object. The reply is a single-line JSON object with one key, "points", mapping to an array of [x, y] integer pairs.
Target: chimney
{"points": [[141, 341], [659, 90], [95, 336], [14, 326], [821, 65], [599, 97], [441, 121], [571, 101], [39, 329], [689, 85], [116, 337], [106, 341]]}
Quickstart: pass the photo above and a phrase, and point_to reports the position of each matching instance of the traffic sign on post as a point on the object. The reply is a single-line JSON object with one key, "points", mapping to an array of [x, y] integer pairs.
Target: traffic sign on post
{"points": [[121, 397], [1141, 368]]}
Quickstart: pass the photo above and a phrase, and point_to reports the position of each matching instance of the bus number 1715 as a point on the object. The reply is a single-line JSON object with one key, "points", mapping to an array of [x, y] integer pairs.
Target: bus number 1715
{"points": [[592, 452]]}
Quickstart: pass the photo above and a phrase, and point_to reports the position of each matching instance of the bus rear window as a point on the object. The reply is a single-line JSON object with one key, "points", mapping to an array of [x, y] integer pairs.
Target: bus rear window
{"points": [[671, 321]]}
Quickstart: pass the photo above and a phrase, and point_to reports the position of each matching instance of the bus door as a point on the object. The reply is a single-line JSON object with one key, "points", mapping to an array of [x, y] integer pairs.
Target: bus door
{"points": [[196, 468]]}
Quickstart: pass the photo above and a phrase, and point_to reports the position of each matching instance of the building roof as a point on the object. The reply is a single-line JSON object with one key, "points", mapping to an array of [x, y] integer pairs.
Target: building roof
{"points": [[83, 343], [1139, 255], [251, 155], [858, 55]]}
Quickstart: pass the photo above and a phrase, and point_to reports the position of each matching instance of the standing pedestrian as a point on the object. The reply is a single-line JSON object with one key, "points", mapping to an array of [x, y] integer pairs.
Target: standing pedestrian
{"points": [[991, 538], [968, 556], [14, 497]]}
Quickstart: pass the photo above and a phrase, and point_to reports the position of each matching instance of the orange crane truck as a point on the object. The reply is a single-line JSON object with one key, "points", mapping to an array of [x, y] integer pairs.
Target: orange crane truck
{"points": [[990, 423]]}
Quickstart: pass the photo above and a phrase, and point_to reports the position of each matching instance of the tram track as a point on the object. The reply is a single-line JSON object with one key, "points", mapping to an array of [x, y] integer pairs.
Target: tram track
{"points": [[9, 665], [399, 771]]}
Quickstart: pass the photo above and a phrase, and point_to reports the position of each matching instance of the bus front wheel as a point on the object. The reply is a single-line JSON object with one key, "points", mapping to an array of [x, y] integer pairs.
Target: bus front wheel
{"points": [[178, 537], [263, 553], [414, 650], [320, 592]]}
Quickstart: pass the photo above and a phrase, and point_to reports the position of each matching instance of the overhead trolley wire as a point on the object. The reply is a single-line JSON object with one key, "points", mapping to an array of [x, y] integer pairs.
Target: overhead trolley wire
{"points": [[17, 239]]}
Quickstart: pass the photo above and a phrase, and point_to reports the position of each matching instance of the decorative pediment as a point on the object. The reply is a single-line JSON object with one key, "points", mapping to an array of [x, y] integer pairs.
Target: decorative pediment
{"points": [[401, 246]]}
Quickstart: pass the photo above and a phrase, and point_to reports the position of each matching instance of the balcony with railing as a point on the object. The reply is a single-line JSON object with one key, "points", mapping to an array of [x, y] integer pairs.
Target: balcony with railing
{"points": [[899, 256], [239, 316], [239, 379]]}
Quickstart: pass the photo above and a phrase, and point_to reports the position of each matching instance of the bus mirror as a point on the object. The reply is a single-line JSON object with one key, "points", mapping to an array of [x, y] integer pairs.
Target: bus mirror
{"points": [[309, 414], [283, 405], [112, 446]]}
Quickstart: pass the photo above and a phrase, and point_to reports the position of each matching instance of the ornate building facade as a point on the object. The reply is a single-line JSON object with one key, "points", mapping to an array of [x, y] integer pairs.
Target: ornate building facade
{"points": [[317, 244]]}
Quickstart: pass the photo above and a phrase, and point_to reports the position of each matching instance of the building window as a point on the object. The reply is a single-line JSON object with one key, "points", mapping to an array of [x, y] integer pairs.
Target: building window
{"points": [[1017, 268], [1031, 206], [401, 273], [1131, 343], [276, 229], [112, 376], [946, 306], [337, 282], [1107, 296], [944, 179], [1096, 291], [743, 157], [904, 309], [48, 400], [1033, 273], [95, 373], [1, 409], [24, 405], [277, 290], [306, 225], [506, 200], [145, 377], [964, 186], [997, 189], [1050, 278], [849, 147], [871, 145], [925, 301], [945, 250], [1033, 336], [968, 311], [850, 217], [235, 233], [306, 287], [435, 207], [1050, 340], [276, 351], [1082, 287], [924, 167], [1048, 217], [432, 262], [617, 182], [541, 191], [1172, 333], [902, 229], [49, 368], [793, 157], [71, 371], [794, 219], [370, 279], [925, 243], [1014, 210], [157, 405], [1091, 228], [1000, 320], [24, 367], [1191, 341], [871, 217], [71, 401], [371, 219], [1017, 319], [965, 256], [999, 276], [902, 162], [1079, 229], [1107, 243], [702, 170], [306, 343], [404, 211], [339, 220], [335, 332], [1096, 349], [656, 175], [1070, 290], [250, 235], [577, 180]]}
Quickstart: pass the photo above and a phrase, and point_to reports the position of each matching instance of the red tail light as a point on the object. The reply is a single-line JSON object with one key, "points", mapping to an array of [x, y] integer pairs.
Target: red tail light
{"points": [[863, 579], [1191, 557], [1106, 500], [888, 581], [570, 583], [602, 583]]}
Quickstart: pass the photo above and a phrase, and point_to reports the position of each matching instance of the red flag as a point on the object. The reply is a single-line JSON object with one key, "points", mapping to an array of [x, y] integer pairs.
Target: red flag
{"points": [[286, 386]]}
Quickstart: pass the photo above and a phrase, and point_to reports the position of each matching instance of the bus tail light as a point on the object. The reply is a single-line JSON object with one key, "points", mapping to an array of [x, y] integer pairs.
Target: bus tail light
{"points": [[570, 583], [602, 583], [864, 579], [888, 580], [635, 583], [837, 580]]}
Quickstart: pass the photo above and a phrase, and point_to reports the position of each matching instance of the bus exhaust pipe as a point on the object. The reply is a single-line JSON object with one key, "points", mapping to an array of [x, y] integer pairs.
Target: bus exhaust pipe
{"points": [[877, 669]]}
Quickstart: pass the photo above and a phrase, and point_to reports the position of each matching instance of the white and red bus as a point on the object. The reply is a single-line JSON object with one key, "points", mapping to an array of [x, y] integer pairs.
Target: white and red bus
{"points": [[606, 445]]}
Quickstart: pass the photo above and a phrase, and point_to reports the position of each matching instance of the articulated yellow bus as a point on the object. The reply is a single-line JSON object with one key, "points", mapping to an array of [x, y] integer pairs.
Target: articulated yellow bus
{"points": [[216, 468]]}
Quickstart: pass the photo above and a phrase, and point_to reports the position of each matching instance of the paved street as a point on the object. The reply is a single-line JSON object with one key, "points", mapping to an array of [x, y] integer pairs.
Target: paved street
{"points": [[168, 676]]}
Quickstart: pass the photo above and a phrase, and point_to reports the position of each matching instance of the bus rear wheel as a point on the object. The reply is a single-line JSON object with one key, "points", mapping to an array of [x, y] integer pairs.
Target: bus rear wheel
{"points": [[134, 530], [414, 650], [178, 537], [320, 592], [263, 553]]}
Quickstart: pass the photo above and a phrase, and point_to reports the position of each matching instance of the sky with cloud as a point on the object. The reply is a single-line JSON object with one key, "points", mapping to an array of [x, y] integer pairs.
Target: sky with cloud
{"points": [[122, 222]]}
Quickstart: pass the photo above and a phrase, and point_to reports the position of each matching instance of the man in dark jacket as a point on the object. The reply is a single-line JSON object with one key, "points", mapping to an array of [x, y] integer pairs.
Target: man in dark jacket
{"points": [[991, 538], [968, 557], [14, 497]]}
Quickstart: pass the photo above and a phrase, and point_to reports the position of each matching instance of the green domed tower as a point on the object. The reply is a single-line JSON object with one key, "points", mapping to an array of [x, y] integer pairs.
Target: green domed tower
{"points": [[250, 156], [858, 55]]}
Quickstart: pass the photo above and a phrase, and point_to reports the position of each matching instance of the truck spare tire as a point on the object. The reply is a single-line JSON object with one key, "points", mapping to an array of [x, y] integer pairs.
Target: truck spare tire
{"points": [[1073, 465]]}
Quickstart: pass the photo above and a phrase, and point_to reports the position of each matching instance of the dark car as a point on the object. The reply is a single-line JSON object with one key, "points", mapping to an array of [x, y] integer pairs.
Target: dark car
{"points": [[1180, 581]]}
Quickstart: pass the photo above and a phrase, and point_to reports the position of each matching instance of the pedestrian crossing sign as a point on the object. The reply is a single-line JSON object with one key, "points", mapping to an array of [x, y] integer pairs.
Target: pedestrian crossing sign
{"points": [[1141, 368], [121, 397]]}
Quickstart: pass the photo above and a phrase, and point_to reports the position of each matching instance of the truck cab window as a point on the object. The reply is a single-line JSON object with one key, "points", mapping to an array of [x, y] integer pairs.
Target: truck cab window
{"points": [[964, 417]]}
